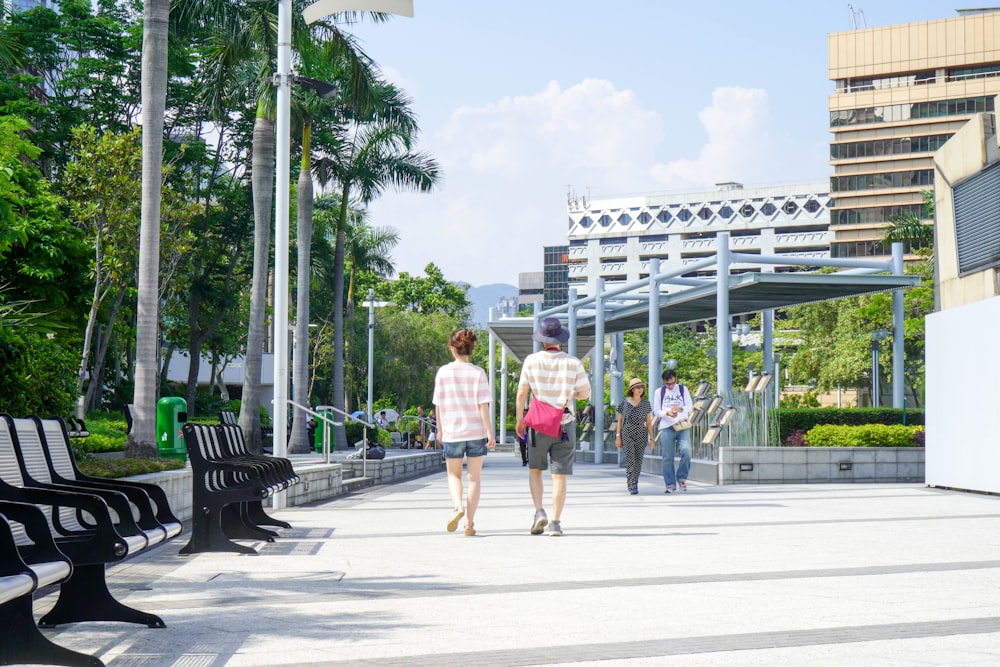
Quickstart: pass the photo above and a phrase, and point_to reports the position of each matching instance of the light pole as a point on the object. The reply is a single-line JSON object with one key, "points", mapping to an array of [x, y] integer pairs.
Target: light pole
{"points": [[371, 349], [283, 80]]}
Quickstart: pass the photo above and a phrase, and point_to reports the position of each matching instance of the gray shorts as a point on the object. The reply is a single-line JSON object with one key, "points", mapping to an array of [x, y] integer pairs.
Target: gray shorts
{"points": [[542, 447]]}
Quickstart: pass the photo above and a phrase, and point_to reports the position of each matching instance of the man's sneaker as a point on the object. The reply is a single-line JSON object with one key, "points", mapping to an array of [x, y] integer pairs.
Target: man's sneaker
{"points": [[684, 485], [555, 529], [669, 489], [538, 525]]}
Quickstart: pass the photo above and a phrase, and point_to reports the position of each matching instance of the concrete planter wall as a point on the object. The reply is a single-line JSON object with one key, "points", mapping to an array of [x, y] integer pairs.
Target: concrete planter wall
{"points": [[802, 465], [319, 481]]}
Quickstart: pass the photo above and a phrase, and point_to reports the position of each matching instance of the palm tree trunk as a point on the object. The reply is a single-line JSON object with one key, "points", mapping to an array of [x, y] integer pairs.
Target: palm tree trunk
{"points": [[340, 434], [262, 183], [142, 440], [299, 443]]}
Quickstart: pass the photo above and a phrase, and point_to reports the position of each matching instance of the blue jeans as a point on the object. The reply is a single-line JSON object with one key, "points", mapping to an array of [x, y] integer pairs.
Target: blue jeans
{"points": [[668, 440]]}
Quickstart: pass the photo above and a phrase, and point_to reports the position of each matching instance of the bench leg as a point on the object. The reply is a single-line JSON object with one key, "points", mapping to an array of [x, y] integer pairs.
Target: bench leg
{"points": [[22, 643], [237, 525], [207, 534], [255, 510], [85, 597]]}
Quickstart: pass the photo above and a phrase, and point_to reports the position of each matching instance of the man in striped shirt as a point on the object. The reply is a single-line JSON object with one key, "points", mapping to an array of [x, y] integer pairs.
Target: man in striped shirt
{"points": [[555, 378]]}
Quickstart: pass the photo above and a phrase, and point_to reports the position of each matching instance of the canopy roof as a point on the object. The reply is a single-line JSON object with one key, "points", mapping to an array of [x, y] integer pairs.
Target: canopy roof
{"points": [[748, 293]]}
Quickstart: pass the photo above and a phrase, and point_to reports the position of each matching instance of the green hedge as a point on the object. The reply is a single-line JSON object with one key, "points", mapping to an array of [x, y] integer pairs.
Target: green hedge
{"points": [[792, 419], [866, 435]]}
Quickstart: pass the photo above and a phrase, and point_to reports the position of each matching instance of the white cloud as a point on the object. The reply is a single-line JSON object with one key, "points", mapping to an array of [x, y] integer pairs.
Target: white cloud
{"points": [[507, 166], [739, 145]]}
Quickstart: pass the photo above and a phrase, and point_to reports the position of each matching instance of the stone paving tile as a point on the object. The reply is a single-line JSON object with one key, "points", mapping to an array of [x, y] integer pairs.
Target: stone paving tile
{"points": [[840, 574]]}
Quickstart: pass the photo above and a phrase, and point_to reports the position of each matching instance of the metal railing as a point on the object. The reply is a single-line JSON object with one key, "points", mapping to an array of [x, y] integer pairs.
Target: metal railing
{"points": [[320, 419], [420, 420]]}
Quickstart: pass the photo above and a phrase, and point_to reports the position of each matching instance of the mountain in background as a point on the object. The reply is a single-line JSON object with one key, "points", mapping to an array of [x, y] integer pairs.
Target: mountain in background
{"points": [[485, 297]]}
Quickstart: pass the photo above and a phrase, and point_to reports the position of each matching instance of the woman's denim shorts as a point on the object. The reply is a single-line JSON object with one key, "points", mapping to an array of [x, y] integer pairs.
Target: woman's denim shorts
{"points": [[470, 448]]}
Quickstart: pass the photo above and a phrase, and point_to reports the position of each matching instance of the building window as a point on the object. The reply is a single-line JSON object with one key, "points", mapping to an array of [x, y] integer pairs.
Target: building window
{"points": [[812, 206], [768, 209], [645, 218], [876, 215], [585, 221], [790, 207], [897, 179], [684, 215], [983, 71], [903, 112], [725, 212], [705, 213], [624, 219], [857, 249], [899, 146], [663, 216], [747, 210], [604, 220]]}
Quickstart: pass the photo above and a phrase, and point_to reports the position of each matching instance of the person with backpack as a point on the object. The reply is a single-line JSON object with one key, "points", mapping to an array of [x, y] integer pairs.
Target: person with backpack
{"points": [[672, 406]]}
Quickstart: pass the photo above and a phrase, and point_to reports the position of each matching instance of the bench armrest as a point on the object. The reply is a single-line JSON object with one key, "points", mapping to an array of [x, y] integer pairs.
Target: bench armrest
{"points": [[36, 527]]}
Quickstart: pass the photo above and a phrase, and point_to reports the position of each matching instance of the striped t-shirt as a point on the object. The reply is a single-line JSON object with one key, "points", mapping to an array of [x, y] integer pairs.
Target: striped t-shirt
{"points": [[554, 378], [459, 389]]}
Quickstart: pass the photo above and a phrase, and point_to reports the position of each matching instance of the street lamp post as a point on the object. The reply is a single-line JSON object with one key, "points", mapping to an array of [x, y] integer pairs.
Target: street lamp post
{"points": [[371, 349], [283, 80]]}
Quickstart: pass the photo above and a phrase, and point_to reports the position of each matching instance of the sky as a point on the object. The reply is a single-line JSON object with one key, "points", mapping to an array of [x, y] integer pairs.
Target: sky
{"points": [[522, 102]]}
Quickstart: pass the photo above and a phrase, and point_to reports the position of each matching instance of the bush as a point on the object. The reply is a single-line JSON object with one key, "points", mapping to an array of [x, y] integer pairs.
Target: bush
{"points": [[866, 435], [796, 439], [805, 419], [108, 433], [114, 468]]}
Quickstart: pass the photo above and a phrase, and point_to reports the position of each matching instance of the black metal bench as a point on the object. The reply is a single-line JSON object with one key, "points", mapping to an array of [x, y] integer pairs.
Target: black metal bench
{"points": [[86, 529], [65, 471], [228, 418], [222, 488], [29, 560]]}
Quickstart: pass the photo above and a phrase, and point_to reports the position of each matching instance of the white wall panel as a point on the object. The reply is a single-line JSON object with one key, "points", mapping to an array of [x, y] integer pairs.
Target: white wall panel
{"points": [[963, 403]]}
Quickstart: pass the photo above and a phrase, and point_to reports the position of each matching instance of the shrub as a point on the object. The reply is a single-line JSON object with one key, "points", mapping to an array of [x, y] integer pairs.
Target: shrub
{"points": [[791, 419], [866, 435], [797, 438], [114, 468]]}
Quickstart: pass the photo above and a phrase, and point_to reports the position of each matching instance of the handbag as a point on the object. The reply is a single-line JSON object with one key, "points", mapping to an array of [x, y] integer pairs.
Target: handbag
{"points": [[681, 425], [544, 418]]}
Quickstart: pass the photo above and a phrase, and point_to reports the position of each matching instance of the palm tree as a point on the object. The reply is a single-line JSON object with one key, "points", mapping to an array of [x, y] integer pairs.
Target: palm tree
{"points": [[369, 250], [910, 229], [241, 56], [142, 440], [375, 152]]}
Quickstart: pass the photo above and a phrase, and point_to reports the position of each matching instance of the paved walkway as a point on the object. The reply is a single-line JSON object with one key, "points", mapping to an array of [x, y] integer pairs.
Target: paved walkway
{"points": [[738, 575]]}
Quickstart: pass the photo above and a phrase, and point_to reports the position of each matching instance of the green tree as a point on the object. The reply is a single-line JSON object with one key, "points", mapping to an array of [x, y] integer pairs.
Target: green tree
{"points": [[431, 293], [42, 264], [374, 152]]}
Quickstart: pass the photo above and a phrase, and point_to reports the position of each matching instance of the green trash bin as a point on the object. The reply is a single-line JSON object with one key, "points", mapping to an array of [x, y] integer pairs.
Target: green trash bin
{"points": [[323, 425], [171, 415]]}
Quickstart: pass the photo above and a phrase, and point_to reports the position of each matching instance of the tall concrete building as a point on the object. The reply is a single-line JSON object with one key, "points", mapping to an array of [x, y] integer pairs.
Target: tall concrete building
{"points": [[25, 5], [614, 238], [901, 92]]}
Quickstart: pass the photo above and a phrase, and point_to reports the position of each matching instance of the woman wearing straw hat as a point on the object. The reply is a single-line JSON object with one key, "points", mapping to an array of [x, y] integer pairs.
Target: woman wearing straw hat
{"points": [[635, 431]]}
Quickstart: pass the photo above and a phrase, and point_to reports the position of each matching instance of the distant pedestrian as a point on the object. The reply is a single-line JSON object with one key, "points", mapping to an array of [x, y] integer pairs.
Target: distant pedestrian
{"points": [[672, 406], [556, 379], [462, 400], [432, 434], [634, 432]]}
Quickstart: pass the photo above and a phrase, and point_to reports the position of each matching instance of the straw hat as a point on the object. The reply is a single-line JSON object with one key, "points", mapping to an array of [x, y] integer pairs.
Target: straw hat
{"points": [[633, 383]]}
